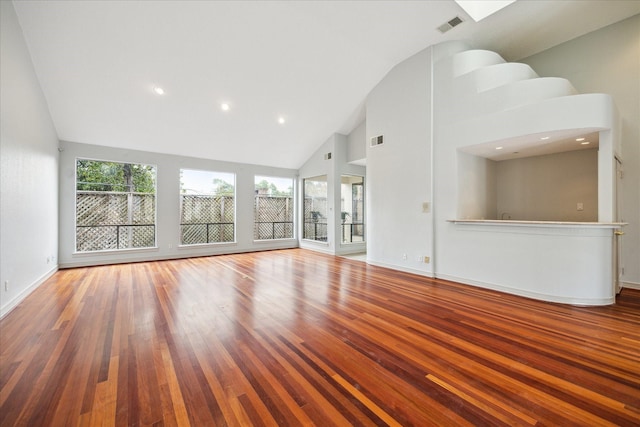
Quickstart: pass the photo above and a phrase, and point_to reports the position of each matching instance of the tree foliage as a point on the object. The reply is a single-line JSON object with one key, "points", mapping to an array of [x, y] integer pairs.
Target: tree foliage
{"points": [[223, 188], [315, 189], [96, 175], [267, 188]]}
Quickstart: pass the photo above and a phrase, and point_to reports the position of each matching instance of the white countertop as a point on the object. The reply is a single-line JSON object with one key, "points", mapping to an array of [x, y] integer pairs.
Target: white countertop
{"points": [[539, 223]]}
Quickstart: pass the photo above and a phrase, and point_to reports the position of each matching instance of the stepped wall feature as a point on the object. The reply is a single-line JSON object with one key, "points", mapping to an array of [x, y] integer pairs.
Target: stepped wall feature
{"points": [[484, 106]]}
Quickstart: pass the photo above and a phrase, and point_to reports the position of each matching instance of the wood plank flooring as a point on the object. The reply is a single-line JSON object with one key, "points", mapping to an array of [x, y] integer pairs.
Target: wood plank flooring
{"points": [[293, 337]]}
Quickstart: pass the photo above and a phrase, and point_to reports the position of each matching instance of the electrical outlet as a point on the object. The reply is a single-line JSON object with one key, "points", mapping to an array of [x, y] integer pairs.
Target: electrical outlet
{"points": [[404, 257], [580, 206], [48, 260], [427, 260], [170, 245], [6, 286]]}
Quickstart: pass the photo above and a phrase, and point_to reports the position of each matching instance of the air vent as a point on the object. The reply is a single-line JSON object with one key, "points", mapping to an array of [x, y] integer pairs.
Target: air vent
{"points": [[376, 140], [327, 156], [450, 24]]}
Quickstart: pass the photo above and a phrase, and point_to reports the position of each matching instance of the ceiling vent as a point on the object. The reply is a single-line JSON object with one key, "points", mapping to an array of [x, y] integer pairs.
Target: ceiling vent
{"points": [[450, 24], [376, 140]]}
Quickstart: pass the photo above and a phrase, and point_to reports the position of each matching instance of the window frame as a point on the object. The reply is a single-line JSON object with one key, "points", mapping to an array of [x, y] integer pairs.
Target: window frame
{"points": [[351, 210], [326, 213], [155, 247], [293, 208], [234, 241]]}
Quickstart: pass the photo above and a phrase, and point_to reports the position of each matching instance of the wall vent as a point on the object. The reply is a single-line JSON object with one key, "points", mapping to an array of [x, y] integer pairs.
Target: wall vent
{"points": [[450, 24], [327, 156], [376, 140]]}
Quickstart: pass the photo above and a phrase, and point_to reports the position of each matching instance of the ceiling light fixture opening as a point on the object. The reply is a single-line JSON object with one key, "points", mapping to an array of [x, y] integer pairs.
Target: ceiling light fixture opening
{"points": [[544, 138], [281, 120], [579, 139], [225, 106], [480, 9], [585, 143], [499, 148]]}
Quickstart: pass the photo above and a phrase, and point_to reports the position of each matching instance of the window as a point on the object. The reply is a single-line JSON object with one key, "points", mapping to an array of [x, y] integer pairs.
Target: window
{"points": [[352, 208], [115, 205], [207, 208], [273, 208], [315, 208]]}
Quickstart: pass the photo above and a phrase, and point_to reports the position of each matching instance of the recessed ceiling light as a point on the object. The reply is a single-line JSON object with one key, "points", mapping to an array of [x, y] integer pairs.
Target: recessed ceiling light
{"points": [[281, 120], [225, 107], [499, 148], [544, 138], [579, 139], [158, 90], [585, 143]]}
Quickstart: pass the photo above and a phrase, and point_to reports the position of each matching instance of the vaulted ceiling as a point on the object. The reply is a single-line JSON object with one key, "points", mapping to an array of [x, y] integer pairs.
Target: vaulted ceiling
{"points": [[311, 63]]}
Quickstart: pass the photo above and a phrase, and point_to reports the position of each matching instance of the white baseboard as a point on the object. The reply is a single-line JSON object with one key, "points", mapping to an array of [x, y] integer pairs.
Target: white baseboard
{"points": [[317, 247], [631, 285], [177, 255], [400, 268], [529, 294], [6, 308]]}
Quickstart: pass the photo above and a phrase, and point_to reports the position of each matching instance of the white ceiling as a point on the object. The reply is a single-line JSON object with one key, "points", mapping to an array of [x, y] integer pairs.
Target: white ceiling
{"points": [[312, 62]]}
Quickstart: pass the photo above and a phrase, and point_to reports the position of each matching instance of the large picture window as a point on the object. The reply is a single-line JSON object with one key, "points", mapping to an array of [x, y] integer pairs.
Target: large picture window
{"points": [[273, 208], [315, 208], [207, 208], [115, 205]]}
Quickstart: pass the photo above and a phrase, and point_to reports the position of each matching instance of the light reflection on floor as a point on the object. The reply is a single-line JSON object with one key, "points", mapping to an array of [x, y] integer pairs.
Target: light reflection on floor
{"points": [[357, 257]]}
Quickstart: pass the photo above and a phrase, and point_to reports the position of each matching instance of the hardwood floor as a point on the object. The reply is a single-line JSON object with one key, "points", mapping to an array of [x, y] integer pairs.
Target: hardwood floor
{"points": [[293, 338]]}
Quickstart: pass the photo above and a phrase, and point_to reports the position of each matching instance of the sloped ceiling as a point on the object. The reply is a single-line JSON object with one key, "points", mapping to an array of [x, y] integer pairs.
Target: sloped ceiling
{"points": [[311, 62]]}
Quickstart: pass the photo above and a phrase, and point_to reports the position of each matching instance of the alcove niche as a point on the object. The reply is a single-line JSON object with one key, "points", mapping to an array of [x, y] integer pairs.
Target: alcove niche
{"points": [[532, 178]]}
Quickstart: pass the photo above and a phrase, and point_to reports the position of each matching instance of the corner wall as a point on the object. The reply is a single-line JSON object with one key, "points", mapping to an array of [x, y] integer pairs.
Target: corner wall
{"points": [[399, 229], [356, 140], [29, 171]]}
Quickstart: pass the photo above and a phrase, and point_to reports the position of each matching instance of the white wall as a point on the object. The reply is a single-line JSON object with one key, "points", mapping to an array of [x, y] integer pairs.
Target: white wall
{"points": [[398, 171], [476, 187], [29, 165], [168, 205], [608, 61], [357, 144], [549, 188]]}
